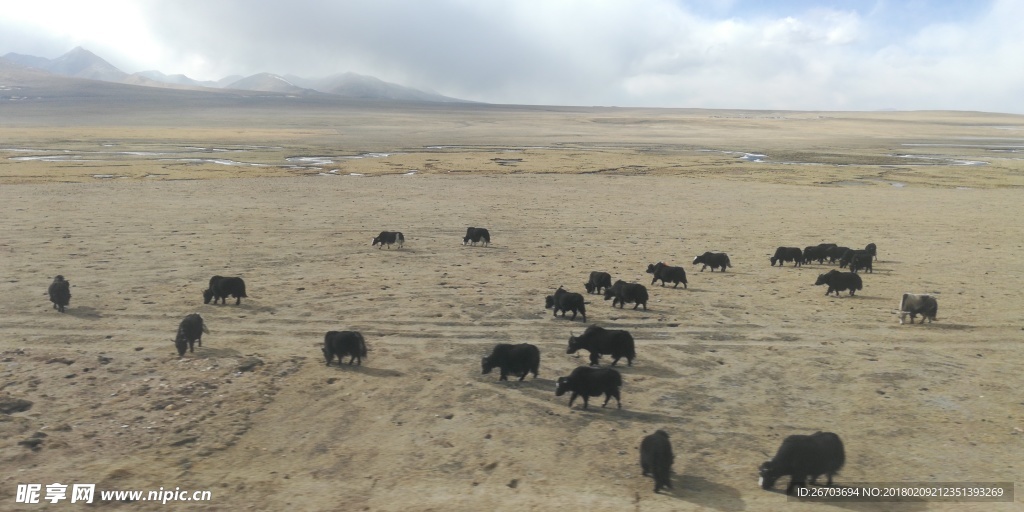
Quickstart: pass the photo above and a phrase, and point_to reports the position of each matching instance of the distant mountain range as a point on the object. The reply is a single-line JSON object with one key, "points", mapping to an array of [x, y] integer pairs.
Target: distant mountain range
{"points": [[81, 63]]}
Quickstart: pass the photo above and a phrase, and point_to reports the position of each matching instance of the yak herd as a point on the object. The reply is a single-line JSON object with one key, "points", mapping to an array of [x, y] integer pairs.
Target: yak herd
{"points": [[802, 457]]}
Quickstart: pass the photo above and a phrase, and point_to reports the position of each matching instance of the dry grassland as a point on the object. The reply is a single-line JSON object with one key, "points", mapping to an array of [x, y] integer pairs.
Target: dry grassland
{"points": [[728, 366]]}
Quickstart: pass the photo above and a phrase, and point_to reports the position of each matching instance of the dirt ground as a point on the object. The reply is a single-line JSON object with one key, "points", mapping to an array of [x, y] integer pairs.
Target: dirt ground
{"points": [[728, 366]]}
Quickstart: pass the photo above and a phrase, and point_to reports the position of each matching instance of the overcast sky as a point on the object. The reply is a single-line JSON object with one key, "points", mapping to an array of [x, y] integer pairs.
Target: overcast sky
{"points": [[760, 54]]}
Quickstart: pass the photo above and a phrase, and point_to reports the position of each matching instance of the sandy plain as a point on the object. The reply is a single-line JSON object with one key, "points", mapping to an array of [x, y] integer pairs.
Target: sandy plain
{"points": [[728, 366]]}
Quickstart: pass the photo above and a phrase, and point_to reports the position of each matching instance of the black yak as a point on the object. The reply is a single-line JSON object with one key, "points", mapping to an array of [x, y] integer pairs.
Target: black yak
{"points": [[656, 459], [784, 254], [861, 261], [190, 331], [838, 281], [622, 292], [221, 287], [344, 343], [598, 340], [713, 260], [817, 253], [520, 360], [665, 273], [587, 382], [598, 280], [914, 304], [60, 293], [477, 235], [835, 252], [802, 457], [390, 238], [564, 301], [872, 249], [847, 258]]}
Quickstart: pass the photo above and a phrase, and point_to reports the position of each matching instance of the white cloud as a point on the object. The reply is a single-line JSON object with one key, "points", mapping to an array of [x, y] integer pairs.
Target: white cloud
{"points": [[737, 53]]}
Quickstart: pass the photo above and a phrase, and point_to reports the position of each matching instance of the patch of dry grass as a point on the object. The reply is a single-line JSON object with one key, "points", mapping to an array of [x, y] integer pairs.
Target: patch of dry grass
{"points": [[920, 148]]}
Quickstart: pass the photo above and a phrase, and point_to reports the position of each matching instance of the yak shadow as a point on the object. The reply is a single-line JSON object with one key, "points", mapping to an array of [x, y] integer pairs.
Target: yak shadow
{"points": [[637, 310], [703, 492], [651, 418], [262, 309], [944, 326], [395, 250], [366, 370], [594, 408], [211, 352], [488, 247], [83, 312], [537, 388], [569, 318], [530, 381], [886, 271]]}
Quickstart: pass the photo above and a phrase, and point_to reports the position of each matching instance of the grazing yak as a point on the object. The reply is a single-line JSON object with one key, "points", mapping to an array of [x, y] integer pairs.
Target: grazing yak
{"points": [[518, 360], [665, 273], [624, 292], [813, 253], [800, 457], [565, 301], [861, 260], [477, 235], [221, 287], [599, 341], [784, 254], [863, 257], [190, 331], [597, 281], [817, 253], [656, 459], [835, 253], [914, 304], [838, 281], [344, 343], [390, 238], [587, 382], [60, 293], [713, 260]]}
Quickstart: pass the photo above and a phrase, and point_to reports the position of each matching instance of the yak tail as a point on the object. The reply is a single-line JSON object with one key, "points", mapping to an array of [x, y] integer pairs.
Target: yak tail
{"points": [[362, 346], [630, 345]]}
